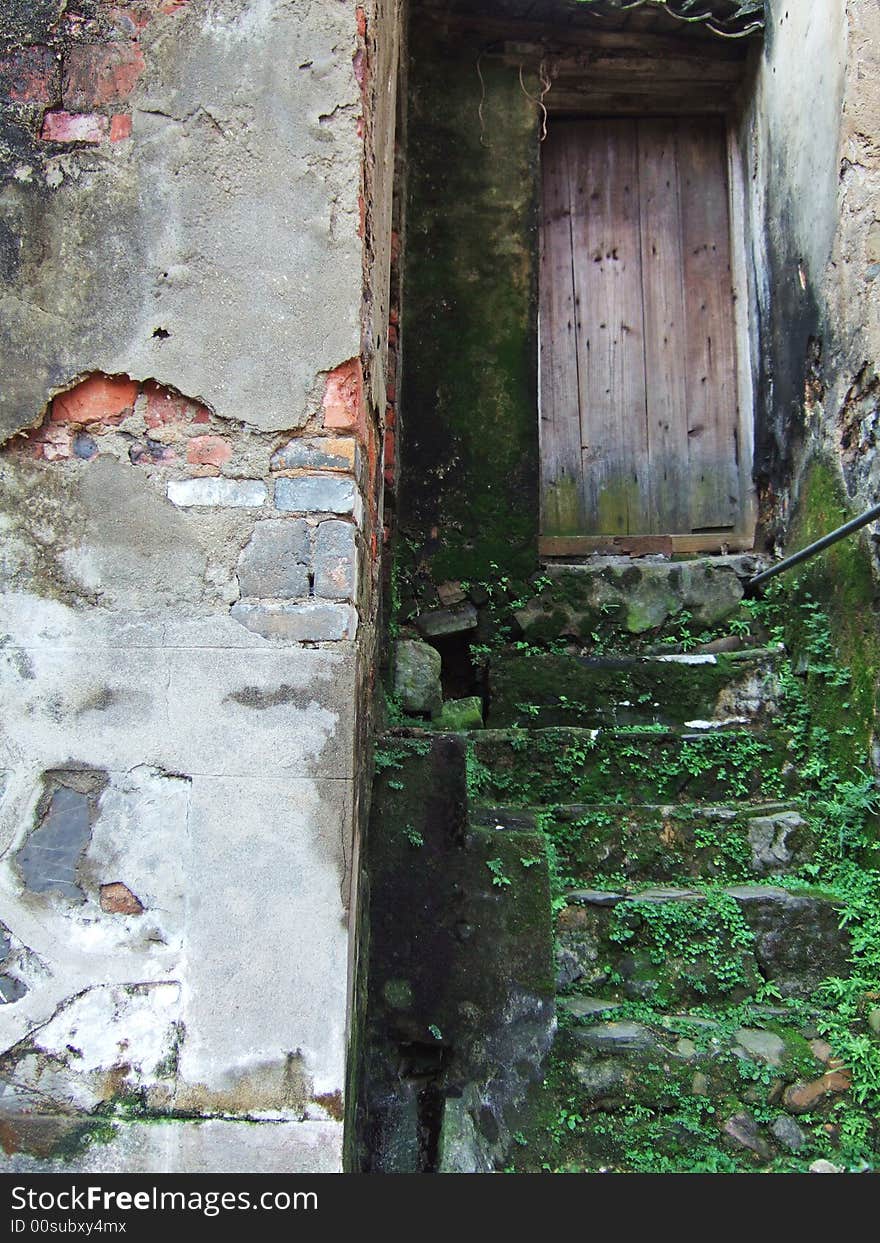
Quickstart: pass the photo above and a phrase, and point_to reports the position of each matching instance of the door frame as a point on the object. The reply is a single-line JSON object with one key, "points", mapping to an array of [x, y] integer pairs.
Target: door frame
{"points": [[742, 537]]}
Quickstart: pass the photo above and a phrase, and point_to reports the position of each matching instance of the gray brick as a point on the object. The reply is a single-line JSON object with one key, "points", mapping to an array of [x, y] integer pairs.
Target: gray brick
{"points": [[298, 623], [320, 494], [276, 560], [336, 560], [216, 490], [317, 453]]}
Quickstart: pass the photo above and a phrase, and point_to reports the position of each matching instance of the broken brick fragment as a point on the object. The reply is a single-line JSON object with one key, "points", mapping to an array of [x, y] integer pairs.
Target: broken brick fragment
{"points": [[74, 127], [208, 451], [117, 899], [97, 74], [344, 398], [97, 399]]}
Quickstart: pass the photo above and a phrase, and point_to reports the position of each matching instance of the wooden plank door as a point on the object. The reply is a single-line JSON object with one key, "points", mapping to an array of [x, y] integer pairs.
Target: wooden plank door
{"points": [[639, 417]]}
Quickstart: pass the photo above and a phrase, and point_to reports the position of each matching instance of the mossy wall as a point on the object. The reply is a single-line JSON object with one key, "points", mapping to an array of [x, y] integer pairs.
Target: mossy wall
{"points": [[469, 371]]}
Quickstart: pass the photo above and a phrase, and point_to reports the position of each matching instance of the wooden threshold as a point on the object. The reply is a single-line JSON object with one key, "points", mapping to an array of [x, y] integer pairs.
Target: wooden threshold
{"points": [[643, 545]]}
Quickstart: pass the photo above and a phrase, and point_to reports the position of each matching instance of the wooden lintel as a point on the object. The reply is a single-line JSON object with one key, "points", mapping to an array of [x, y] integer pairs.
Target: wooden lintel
{"points": [[556, 38]]}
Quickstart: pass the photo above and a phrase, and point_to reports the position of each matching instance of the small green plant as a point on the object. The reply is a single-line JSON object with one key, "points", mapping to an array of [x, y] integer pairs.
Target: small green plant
{"points": [[412, 835], [435, 1031], [496, 867]]}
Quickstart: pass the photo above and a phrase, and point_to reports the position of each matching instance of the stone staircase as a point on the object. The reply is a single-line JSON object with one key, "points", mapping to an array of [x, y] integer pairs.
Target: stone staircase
{"points": [[638, 779]]}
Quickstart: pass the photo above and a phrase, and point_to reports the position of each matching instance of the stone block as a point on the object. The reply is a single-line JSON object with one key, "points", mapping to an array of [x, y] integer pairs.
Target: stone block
{"points": [[300, 623], [276, 560], [417, 676], [336, 560], [49, 858], [232, 493], [320, 494], [439, 622]]}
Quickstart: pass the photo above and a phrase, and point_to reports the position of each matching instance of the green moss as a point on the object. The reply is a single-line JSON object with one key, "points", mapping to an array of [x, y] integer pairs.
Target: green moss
{"points": [[841, 583], [468, 393]]}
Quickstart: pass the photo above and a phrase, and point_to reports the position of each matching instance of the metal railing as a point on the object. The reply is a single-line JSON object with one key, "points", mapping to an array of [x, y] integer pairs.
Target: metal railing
{"points": [[818, 546]]}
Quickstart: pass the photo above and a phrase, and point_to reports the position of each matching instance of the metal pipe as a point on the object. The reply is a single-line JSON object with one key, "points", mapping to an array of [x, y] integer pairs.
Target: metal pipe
{"points": [[810, 551]]}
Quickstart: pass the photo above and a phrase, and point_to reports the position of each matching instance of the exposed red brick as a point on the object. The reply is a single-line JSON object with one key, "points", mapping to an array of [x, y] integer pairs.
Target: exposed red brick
{"points": [[392, 334], [344, 399], [208, 451], [131, 19], [394, 316], [51, 442], [362, 215], [29, 75], [390, 416], [163, 406], [361, 19], [97, 74], [391, 393], [171, 6], [395, 255], [120, 127], [388, 448], [117, 899], [98, 399], [202, 414], [74, 127]]}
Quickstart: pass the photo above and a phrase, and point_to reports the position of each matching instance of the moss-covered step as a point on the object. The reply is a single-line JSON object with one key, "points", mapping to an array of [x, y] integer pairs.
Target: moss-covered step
{"points": [[668, 841], [625, 596], [545, 688], [672, 944], [684, 1092], [540, 767], [460, 982]]}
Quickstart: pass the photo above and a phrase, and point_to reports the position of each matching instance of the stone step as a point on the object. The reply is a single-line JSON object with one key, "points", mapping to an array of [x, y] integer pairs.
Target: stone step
{"points": [[542, 688], [669, 944], [667, 841], [663, 765], [764, 1086], [642, 596]]}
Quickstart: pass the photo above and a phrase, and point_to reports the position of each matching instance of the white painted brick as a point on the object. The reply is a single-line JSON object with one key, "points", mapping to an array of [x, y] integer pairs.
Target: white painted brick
{"points": [[215, 490]]}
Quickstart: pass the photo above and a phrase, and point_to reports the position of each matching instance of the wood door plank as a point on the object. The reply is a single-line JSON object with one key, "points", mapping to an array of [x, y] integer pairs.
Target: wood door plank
{"points": [[562, 494], [711, 365], [664, 326], [608, 299]]}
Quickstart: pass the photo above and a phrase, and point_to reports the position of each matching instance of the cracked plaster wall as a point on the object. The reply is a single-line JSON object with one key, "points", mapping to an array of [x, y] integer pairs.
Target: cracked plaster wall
{"points": [[189, 551], [812, 176]]}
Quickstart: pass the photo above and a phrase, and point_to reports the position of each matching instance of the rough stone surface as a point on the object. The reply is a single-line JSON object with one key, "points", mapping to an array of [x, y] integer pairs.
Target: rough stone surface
{"points": [[798, 940], [742, 1131], [802, 1098], [769, 841], [276, 560], [787, 1133], [335, 562], [313, 622], [50, 857], [417, 676], [618, 1037], [759, 1045], [439, 622]]}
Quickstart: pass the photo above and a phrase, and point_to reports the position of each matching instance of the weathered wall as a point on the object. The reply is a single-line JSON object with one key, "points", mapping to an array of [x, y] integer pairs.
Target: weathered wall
{"points": [[812, 176], [469, 493], [196, 239]]}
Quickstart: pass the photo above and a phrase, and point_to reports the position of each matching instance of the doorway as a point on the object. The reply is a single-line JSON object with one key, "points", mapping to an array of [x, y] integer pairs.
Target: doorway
{"points": [[645, 430]]}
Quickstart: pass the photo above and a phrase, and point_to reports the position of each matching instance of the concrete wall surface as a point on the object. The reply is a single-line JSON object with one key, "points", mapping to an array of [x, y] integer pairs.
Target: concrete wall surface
{"points": [[195, 240]]}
